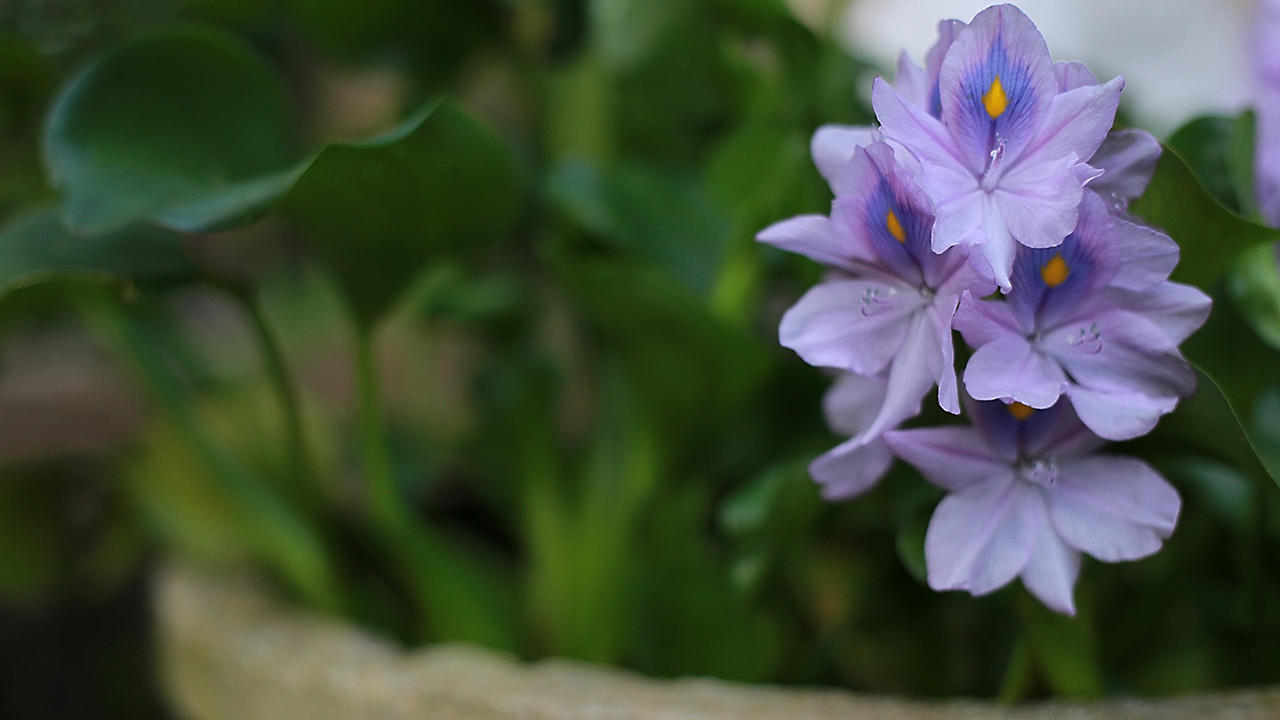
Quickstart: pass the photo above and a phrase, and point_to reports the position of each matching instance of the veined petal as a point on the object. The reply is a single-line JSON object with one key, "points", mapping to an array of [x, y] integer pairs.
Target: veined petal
{"points": [[940, 316], [981, 537], [833, 145], [1077, 123], [1114, 508], [950, 457], [998, 246], [911, 375], [1145, 257], [883, 208], [853, 325], [997, 82], [948, 30], [985, 321], [1072, 75], [816, 238], [1121, 352], [851, 468], [852, 403], [1177, 309], [1051, 571], [912, 82], [1039, 200], [1128, 160], [1118, 415], [1010, 368]]}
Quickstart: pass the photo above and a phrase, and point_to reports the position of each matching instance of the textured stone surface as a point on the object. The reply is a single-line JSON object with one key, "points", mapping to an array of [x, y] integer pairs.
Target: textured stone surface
{"points": [[231, 652]]}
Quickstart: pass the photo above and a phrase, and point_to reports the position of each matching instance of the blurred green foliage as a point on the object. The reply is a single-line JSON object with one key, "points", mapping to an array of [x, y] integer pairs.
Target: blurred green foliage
{"points": [[509, 371]]}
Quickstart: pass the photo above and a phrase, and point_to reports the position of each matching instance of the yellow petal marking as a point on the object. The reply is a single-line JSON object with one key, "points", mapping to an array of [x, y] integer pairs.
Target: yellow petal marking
{"points": [[995, 101], [1055, 272], [895, 227], [1020, 411]]}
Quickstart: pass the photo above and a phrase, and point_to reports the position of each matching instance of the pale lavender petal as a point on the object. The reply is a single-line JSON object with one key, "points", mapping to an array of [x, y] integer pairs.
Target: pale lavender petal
{"points": [[940, 316], [981, 537], [997, 245], [1058, 432], [1177, 309], [1077, 123], [1128, 160], [912, 82], [832, 146], [814, 237], [1266, 75], [985, 321], [1051, 571], [1010, 368], [1120, 351], [853, 325], [852, 403], [1072, 75], [911, 375], [851, 468], [1000, 45], [948, 30], [1039, 200], [958, 220], [1145, 257], [1118, 415], [950, 457], [1114, 508]]}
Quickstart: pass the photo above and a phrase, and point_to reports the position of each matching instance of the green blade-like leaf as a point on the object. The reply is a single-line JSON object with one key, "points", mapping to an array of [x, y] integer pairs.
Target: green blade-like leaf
{"points": [[1210, 235], [377, 211], [186, 126]]}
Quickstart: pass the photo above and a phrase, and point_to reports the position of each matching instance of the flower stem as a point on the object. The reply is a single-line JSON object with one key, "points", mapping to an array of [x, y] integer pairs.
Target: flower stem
{"points": [[385, 503]]}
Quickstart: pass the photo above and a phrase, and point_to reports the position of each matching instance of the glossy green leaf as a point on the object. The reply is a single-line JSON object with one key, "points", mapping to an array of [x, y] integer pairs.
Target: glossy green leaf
{"points": [[186, 126], [1254, 286], [441, 184], [38, 248], [1210, 235]]}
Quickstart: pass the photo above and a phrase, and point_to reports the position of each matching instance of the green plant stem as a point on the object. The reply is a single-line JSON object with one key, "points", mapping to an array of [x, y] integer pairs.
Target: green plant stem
{"points": [[301, 469], [385, 504]]}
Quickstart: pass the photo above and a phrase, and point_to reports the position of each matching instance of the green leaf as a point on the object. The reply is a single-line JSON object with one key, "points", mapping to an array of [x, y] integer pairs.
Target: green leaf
{"points": [[38, 248], [440, 184], [186, 126], [1254, 286], [1210, 235], [1063, 648]]}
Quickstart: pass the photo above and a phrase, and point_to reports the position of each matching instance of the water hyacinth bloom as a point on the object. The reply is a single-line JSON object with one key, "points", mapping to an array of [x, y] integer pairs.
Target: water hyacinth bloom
{"points": [[1266, 72], [1094, 319], [886, 310], [1005, 159], [1027, 494]]}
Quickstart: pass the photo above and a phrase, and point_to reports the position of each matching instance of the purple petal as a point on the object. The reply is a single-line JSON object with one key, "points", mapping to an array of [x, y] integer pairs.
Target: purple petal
{"points": [[1077, 123], [1177, 309], [985, 321], [1051, 571], [1145, 257], [814, 237], [1039, 200], [883, 208], [940, 316], [833, 145], [1072, 75], [1266, 75], [853, 325], [911, 375], [1122, 352], [997, 246], [950, 457], [1128, 160], [997, 81], [1114, 508], [852, 403], [851, 468], [1118, 415], [948, 30], [981, 537], [1010, 368], [912, 82], [1058, 432]]}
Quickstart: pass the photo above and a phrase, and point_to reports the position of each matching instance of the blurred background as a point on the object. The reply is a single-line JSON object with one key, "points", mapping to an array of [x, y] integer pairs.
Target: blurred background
{"points": [[594, 415]]}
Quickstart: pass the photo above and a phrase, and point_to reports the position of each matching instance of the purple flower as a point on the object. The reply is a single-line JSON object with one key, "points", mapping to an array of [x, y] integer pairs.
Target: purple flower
{"points": [[851, 407], [1005, 159], [1094, 319], [1266, 71], [886, 311], [1027, 494]]}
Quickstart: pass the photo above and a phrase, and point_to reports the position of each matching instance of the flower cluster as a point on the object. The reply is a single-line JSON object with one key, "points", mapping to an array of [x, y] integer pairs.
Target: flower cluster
{"points": [[992, 200]]}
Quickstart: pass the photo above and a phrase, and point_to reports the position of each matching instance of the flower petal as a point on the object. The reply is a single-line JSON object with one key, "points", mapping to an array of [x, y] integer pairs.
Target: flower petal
{"points": [[1114, 508], [851, 468], [1072, 75], [911, 374], [981, 537], [1051, 571], [1121, 352], [1128, 160], [985, 321], [1177, 309], [852, 403], [1010, 368], [815, 237], [950, 457], [1039, 201], [854, 325], [1118, 415], [833, 145], [1077, 123], [997, 81], [1145, 257]]}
